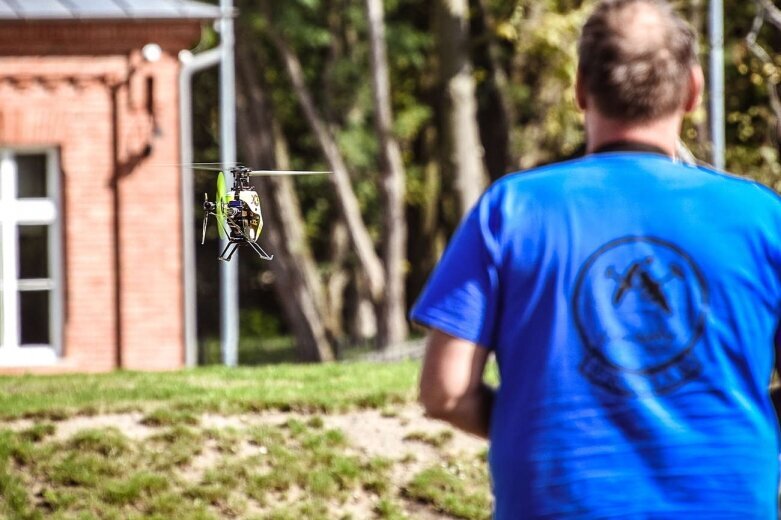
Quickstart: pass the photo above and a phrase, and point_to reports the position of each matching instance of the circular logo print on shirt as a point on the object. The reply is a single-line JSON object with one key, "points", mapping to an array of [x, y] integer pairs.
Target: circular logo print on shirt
{"points": [[639, 307]]}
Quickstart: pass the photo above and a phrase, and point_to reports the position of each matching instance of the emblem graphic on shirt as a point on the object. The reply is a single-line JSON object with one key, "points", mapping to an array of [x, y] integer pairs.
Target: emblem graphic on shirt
{"points": [[639, 306]]}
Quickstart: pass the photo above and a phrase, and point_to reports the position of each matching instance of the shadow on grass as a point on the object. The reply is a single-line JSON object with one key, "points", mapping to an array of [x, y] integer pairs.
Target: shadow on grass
{"points": [[252, 351], [255, 351]]}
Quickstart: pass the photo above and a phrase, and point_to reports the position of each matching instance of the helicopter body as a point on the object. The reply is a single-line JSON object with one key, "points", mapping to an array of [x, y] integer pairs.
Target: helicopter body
{"points": [[247, 217], [238, 213]]}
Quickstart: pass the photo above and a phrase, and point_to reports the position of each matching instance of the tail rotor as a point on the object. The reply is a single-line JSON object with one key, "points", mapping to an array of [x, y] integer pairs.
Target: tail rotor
{"points": [[208, 208]]}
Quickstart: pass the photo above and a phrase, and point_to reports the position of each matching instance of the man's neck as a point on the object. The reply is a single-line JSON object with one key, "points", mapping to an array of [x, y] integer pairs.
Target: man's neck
{"points": [[661, 133]]}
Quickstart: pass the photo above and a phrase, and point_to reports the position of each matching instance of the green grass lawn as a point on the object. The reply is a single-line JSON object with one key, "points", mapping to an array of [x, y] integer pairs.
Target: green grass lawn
{"points": [[321, 388], [205, 451]]}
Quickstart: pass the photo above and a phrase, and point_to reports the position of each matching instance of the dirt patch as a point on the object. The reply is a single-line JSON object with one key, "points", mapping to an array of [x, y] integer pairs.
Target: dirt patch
{"points": [[398, 437], [402, 435], [128, 423]]}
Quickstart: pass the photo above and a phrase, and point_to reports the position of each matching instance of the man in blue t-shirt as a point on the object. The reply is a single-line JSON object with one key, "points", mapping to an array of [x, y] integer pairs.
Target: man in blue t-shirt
{"points": [[631, 301]]}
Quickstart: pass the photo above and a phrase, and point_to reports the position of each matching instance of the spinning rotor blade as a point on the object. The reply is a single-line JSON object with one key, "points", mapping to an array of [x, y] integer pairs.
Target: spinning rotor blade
{"points": [[220, 201], [259, 173], [203, 233], [217, 163], [211, 166], [218, 167]]}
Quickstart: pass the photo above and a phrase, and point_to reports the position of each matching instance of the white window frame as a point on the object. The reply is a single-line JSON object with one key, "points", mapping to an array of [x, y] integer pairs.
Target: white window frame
{"points": [[29, 211]]}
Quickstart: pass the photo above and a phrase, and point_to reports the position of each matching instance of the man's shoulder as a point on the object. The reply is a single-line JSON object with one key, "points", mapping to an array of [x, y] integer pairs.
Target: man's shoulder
{"points": [[537, 173], [734, 179], [741, 187], [557, 180], [594, 169], [537, 178], [593, 163]]}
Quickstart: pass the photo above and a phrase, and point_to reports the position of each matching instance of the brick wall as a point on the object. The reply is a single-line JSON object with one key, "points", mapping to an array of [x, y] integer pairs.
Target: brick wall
{"points": [[150, 227], [121, 211]]}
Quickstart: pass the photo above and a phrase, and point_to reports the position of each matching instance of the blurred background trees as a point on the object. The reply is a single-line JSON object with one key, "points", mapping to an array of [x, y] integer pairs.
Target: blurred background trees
{"points": [[416, 106]]}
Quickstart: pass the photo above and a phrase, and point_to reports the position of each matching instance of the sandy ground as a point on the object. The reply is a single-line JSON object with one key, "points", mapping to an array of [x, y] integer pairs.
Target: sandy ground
{"points": [[371, 433]]}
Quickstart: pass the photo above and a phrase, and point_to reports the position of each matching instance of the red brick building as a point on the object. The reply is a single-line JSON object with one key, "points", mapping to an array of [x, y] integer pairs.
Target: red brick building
{"points": [[90, 223]]}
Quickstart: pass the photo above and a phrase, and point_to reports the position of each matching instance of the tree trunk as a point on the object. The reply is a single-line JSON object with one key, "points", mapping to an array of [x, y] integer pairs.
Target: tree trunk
{"points": [[392, 321], [338, 276], [426, 249], [697, 19], [361, 318], [297, 283], [347, 201], [496, 114], [771, 14], [464, 152]]}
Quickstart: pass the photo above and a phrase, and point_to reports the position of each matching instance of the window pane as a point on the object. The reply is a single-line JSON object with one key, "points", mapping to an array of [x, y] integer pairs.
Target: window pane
{"points": [[31, 172], [33, 252], [34, 307]]}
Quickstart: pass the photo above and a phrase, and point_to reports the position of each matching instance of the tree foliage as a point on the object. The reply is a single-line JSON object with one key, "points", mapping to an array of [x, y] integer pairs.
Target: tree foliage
{"points": [[523, 59]]}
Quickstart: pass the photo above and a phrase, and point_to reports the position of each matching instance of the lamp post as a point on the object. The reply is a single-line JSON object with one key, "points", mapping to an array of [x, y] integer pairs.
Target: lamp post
{"points": [[718, 138]]}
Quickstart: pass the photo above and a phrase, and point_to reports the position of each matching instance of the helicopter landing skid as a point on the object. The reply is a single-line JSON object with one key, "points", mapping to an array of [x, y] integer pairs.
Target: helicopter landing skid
{"points": [[230, 255], [259, 250]]}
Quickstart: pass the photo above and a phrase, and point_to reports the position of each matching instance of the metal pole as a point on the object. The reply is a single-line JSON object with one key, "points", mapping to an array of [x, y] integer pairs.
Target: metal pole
{"points": [[190, 65], [229, 271], [716, 25]]}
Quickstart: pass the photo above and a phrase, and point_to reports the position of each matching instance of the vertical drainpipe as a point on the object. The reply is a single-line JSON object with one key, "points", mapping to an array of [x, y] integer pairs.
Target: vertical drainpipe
{"points": [[116, 224], [190, 65], [229, 271]]}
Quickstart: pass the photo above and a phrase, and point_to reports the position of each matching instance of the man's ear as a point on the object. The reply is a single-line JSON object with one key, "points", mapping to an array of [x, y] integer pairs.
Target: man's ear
{"points": [[696, 85], [581, 98]]}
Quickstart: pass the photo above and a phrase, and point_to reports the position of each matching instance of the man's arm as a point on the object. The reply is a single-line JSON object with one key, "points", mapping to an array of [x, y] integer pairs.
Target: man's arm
{"points": [[451, 383]]}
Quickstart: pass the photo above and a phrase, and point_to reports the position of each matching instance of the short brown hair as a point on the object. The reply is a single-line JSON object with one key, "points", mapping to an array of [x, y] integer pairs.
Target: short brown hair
{"points": [[635, 57]]}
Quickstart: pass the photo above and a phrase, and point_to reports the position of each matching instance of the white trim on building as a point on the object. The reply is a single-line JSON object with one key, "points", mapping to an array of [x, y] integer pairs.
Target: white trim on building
{"points": [[15, 212]]}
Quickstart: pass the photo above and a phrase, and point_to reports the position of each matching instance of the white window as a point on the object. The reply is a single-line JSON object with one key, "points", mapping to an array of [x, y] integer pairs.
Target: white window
{"points": [[30, 258]]}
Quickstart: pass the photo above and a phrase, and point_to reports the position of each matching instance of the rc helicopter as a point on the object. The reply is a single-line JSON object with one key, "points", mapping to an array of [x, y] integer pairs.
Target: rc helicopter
{"points": [[237, 212]]}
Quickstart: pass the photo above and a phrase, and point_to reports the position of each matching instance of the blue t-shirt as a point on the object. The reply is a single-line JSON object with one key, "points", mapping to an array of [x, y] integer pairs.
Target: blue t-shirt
{"points": [[631, 302]]}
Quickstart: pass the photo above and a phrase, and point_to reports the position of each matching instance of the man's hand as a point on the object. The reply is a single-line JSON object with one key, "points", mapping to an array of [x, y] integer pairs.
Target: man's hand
{"points": [[451, 383]]}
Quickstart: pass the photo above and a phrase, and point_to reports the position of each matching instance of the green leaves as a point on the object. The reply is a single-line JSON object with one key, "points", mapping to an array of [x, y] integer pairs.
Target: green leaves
{"points": [[524, 61]]}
